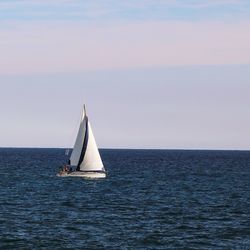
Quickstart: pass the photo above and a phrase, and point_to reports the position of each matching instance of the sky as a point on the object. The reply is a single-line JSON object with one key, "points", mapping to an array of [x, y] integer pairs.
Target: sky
{"points": [[169, 74]]}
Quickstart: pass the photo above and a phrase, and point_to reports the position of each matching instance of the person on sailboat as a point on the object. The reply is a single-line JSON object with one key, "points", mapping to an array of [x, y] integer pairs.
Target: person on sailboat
{"points": [[68, 169], [64, 169]]}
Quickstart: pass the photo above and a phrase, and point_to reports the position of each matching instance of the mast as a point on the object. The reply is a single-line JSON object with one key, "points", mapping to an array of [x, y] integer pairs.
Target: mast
{"points": [[84, 109]]}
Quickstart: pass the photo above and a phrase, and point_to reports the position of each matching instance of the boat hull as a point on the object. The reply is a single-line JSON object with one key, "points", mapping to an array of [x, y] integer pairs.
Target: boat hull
{"points": [[89, 175]]}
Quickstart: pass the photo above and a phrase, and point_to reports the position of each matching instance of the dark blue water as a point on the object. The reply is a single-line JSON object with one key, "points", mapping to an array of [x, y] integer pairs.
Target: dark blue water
{"points": [[152, 199]]}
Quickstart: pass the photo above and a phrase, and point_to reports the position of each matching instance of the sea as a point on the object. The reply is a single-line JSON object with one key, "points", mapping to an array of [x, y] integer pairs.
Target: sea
{"points": [[151, 199]]}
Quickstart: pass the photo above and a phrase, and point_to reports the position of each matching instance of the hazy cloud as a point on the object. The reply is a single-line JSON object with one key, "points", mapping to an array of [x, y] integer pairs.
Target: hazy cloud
{"points": [[64, 47]]}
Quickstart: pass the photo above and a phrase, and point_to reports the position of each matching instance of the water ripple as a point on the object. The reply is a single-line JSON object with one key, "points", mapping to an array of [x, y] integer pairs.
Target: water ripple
{"points": [[152, 199]]}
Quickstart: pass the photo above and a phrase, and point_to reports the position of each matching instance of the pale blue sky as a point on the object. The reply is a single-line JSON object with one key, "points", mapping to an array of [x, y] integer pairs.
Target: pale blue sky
{"points": [[154, 74], [174, 107], [31, 10]]}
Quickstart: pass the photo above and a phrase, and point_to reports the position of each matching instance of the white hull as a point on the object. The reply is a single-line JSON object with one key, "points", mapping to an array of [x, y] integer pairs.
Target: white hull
{"points": [[89, 175]]}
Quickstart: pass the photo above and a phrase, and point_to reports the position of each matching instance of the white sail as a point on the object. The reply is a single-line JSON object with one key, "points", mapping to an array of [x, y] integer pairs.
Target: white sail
{"points": [[85, 154], [92, 160], [76, 153]]}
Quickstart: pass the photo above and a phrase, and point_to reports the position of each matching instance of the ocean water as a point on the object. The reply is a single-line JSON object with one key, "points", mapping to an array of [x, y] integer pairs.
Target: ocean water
{"points": [[151, 199]]}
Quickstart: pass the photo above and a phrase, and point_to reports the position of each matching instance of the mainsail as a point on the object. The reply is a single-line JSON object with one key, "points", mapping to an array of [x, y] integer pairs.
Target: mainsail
{"points": [[85, 155]]}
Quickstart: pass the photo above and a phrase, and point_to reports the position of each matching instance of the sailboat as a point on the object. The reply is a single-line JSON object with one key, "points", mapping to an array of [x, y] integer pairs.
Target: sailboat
{"points": [[85, 160]]}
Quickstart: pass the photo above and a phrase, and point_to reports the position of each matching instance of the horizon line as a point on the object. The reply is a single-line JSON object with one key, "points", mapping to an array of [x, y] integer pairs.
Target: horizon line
{"points": [[110, 148]]}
